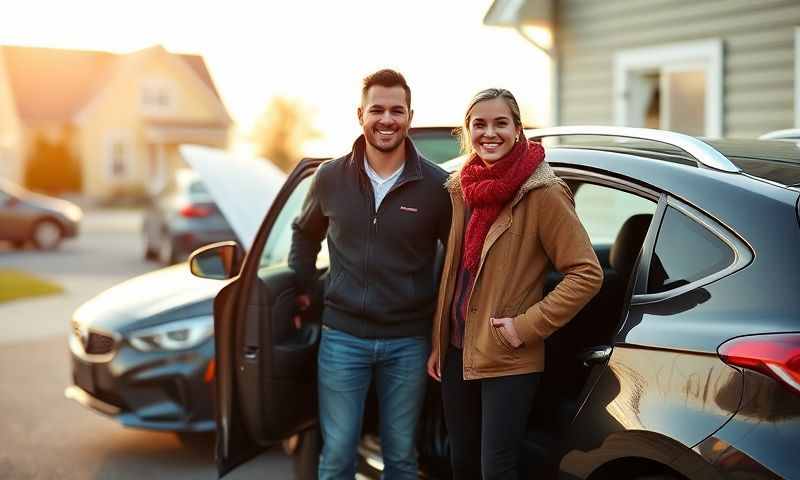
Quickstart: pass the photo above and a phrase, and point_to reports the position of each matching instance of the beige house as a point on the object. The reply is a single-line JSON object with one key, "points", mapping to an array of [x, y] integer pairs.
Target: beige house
{"points": [[703, 67], [123, 116]]}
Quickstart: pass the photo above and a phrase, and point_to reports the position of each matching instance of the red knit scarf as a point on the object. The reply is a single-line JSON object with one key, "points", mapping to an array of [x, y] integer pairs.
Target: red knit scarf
{"points": [[487, 189]]}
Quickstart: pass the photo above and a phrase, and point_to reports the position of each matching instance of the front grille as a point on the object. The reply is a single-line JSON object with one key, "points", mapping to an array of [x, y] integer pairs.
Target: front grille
{"points": [[98, 344]]}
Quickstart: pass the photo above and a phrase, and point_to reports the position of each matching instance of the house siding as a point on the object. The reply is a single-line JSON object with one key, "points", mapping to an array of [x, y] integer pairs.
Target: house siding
{"points": [[11, 152], [758, 44]]}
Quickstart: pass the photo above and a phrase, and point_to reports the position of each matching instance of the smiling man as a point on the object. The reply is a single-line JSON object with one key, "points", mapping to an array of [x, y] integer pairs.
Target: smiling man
{"points": [[383, 209]]}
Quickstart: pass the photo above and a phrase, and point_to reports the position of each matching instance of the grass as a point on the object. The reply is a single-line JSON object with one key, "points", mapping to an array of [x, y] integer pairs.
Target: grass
{"points": [[15, 285]]}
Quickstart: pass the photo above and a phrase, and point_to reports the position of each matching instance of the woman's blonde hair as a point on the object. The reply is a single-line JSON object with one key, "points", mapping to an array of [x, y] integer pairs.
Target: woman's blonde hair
{"points": [[462, 132]]}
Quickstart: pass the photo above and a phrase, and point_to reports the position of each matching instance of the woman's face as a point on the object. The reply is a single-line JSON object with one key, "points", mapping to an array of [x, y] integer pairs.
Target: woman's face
{"points": [[492, 130]]}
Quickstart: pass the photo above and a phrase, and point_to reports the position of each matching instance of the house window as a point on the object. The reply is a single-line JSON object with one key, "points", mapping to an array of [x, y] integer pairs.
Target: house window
{"points": [[674, 87], [119, 158], [157, 96]]}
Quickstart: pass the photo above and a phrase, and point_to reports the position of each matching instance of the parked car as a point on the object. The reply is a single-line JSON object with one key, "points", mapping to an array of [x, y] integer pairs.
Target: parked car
{"points": [[437, 144], [182, 219], [32, 217], [685, 365], [788, 134], [142, 351]]}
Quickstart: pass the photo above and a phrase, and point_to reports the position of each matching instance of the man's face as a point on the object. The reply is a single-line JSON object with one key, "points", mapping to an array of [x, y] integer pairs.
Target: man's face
{"points": [[384, 117]]}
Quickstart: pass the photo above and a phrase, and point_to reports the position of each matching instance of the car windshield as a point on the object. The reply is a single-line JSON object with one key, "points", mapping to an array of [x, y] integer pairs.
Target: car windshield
{"points": [[436, 144]]}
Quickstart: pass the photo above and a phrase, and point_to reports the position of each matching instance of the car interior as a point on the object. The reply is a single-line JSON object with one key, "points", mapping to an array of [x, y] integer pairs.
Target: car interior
{"points": [[280, 360]]}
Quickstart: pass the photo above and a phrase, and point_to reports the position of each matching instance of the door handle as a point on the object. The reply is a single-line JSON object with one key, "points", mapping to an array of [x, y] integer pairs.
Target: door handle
{"points": [[250, 353], [595, 355]]}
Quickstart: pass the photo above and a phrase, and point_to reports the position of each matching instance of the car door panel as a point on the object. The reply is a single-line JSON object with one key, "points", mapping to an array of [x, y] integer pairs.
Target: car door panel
{"points": [[266, 367], [277, 363]]}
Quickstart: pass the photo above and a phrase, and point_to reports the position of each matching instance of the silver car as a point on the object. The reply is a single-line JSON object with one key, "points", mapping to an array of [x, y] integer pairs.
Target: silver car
{"points": [[181, 220], [32, 217]]}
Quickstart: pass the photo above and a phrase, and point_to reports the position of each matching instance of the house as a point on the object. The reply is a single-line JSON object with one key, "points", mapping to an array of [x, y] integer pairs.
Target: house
{"points": [[121, 117], [702, 67]]}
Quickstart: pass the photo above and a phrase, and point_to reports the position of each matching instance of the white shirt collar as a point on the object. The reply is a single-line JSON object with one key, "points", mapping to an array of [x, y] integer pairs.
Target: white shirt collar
{"points": [[373, 175]]}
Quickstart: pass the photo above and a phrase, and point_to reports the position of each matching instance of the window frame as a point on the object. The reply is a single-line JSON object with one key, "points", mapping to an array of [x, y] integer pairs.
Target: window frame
{"points": [[797, 77], [706, 54], [743, 253]]}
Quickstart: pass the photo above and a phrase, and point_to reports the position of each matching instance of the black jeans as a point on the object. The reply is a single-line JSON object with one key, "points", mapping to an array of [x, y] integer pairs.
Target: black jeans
{"points": [[486, 420]]}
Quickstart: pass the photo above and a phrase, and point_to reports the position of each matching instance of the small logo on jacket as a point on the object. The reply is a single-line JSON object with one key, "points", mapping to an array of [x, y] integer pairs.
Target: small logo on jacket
{"points": [[408, 209]]}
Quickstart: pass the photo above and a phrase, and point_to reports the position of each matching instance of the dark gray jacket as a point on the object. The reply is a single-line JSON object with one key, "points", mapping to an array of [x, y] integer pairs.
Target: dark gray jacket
{"points": [[382, 264]]}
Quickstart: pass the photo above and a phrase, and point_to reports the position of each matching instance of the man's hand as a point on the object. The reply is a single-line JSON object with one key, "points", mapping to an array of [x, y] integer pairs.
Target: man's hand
{"points": [[302, 302], [507, 330], [434, 370]]}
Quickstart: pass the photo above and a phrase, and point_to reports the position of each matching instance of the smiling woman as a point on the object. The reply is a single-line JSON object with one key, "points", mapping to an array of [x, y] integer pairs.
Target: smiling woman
{"points": [[15, 285]]}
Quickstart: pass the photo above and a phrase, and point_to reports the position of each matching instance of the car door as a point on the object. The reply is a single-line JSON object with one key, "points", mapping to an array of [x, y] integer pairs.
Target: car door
{"points": [[266, 368], [664, 388]]}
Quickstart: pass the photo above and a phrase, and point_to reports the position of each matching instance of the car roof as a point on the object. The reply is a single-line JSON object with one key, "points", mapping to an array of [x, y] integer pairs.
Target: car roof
{"points": [[770, 160]]}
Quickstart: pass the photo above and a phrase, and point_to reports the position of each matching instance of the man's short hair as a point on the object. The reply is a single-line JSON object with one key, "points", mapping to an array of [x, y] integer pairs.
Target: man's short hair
{"points": [[386, 78]]}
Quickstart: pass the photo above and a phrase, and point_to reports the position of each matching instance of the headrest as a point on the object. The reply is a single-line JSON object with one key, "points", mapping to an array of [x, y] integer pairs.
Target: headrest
{"points": [[629, 241]]}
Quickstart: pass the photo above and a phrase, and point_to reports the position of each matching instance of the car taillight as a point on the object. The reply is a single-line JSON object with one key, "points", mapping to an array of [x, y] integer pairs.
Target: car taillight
{"points": [[776, 355], [194, 211]]}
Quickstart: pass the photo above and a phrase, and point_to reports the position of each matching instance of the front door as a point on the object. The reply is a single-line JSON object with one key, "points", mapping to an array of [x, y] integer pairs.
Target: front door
{"points": [[266, 368]]}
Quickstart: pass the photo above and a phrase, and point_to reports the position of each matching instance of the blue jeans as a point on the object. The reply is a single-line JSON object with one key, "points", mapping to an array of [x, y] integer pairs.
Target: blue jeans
{"points": [[346, 367]]}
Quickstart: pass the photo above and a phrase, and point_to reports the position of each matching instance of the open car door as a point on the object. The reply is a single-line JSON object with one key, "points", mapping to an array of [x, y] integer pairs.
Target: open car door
{"points": [[266, 368]]}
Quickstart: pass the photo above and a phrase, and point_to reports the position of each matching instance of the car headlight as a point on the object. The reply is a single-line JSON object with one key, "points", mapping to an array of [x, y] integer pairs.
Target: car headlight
{"points": [[178, 335]]}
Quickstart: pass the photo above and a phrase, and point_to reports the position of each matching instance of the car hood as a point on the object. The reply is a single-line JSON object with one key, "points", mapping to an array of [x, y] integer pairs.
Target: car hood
{"points": [[171, 293], [243, 188], [53, 205]]}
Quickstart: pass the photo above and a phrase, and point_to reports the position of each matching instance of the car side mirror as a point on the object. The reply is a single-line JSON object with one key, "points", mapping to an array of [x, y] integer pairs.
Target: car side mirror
{"points": [[218, 261]]}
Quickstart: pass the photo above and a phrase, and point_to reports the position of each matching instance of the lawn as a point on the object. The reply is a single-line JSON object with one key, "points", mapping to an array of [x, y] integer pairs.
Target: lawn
{"points": [[15, 285]]}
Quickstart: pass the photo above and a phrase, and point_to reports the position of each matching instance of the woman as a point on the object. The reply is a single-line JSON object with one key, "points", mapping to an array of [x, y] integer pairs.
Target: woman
{"points": [[512, 219]]}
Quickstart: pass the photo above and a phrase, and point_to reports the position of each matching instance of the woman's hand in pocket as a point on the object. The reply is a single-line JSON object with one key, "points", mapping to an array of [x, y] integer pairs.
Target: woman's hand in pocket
{"points": [[507, 330], [434, 370]]}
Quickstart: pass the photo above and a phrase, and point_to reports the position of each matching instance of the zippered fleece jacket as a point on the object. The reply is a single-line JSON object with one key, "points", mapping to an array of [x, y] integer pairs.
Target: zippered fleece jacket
{"points": [[382, 281]]}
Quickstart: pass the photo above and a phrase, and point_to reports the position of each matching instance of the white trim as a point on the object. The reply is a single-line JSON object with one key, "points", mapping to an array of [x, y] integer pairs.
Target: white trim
{"points": [[797, 77], [706, 54]]}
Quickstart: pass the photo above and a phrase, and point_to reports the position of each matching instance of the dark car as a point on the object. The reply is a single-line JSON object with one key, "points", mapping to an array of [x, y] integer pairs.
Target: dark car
{"points": [[685, 365], [32, 217], [437, 144], [142, 352], [182, 219]]}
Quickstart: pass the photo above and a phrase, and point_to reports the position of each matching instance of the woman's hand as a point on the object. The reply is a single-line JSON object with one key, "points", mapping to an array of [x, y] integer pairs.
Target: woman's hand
{"points": [[434, 370], [506, 327]]}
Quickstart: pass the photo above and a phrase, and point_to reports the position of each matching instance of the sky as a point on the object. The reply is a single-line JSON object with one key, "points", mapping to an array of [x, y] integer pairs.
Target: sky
{"points": [[314, 51]]}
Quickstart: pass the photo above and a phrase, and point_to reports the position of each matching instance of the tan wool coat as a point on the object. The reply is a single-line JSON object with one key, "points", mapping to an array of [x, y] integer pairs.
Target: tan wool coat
{"points": [[538, 230]]}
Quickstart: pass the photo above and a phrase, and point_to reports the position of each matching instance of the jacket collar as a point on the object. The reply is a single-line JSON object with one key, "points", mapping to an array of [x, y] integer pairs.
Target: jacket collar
{"points": [[542, 176], [413, 167]]}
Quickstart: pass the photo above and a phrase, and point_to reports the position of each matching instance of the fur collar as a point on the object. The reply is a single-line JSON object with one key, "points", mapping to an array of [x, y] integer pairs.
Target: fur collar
{"points": [[542, 176]]}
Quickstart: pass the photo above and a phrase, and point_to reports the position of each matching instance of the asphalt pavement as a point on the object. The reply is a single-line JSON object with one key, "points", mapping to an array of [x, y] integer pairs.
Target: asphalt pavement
{"points": [[45, 436]]}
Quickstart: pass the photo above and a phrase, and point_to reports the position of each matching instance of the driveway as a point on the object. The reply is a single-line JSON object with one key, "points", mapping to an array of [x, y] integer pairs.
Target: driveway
{"points": [[44, 435]]}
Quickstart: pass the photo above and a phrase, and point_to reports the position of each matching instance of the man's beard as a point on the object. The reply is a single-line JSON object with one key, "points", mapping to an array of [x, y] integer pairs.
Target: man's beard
{"points": [[384, 149]]}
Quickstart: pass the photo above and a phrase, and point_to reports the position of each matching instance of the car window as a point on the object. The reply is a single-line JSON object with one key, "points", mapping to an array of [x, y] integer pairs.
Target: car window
{"points": [[438, 149], [685, 251], [603, 210], [198, 187], [279, 242]]}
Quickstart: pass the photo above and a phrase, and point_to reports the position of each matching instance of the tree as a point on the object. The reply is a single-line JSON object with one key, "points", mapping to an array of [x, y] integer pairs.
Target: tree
{"points": [[282, 130], [51, 166]]}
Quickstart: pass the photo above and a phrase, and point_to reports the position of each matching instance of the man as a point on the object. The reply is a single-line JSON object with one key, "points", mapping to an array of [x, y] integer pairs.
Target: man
{"points": [[383, 209]]}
